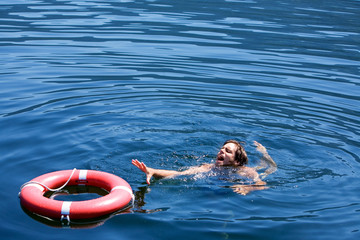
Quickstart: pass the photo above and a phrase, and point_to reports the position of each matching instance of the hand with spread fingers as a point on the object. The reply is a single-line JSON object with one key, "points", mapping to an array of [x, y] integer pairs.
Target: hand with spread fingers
{"points": [[260, 147], [148, 171], [266, 161]]}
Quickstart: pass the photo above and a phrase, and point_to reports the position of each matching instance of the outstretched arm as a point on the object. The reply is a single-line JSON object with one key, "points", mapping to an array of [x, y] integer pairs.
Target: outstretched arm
{"points": [[150, 172], [160, 173], [267, 160]]}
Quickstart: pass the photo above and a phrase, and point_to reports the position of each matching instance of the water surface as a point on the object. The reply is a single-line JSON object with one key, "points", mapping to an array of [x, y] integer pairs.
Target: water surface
{"points": [[92, 84]]}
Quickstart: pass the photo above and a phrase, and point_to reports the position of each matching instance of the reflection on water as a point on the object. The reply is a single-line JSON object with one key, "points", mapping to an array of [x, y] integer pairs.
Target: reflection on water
{"points": [[92, 84]]}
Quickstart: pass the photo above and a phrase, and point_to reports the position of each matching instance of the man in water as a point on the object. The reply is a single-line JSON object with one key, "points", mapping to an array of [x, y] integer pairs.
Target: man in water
{"points": [[232, 154]]}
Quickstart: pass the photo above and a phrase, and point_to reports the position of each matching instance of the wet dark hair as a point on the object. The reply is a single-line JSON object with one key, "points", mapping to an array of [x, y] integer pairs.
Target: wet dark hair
{"points": [[240, 154]]}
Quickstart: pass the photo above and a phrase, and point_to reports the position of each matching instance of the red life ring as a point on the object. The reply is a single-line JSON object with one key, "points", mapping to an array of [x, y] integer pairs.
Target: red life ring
{"points": [[32, 195]]}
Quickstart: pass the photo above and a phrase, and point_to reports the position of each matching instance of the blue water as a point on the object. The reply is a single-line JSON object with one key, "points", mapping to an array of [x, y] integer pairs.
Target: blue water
{"points": [[92, 84]]}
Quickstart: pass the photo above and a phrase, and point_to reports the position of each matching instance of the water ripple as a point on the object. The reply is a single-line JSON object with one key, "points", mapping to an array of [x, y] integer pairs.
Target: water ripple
{"points": [[96, 83]]}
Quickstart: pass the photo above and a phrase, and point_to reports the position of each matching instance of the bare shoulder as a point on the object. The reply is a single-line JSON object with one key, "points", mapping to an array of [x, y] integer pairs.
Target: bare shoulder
{"points": [[247, 172], [205, 167]]}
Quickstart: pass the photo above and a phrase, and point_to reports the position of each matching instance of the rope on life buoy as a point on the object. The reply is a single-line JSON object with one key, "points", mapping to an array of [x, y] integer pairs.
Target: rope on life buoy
{"points": [[49, 189]]}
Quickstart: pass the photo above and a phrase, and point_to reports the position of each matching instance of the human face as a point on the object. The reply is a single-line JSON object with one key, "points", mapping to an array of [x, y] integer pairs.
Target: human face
{"points": [[226, 155]]}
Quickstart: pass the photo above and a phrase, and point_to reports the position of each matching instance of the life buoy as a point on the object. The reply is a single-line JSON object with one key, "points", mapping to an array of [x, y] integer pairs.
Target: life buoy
{"points": [[32, 195]]}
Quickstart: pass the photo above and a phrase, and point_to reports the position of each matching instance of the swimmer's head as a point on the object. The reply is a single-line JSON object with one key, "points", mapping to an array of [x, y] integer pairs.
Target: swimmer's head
{"points": [[232, 153]]}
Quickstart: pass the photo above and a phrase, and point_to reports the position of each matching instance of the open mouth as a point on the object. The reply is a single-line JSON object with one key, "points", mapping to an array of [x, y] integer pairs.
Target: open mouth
{"points": [[220, 158]]}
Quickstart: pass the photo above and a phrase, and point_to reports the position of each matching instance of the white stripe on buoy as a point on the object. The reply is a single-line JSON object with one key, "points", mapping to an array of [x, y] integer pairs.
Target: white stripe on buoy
{"points": [[65, 208], [82, 174]]}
